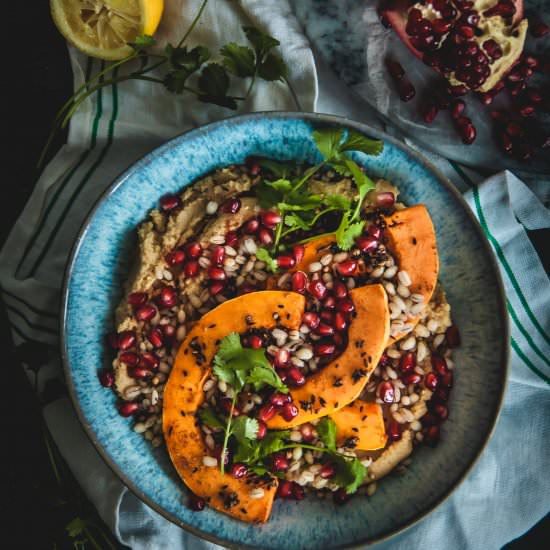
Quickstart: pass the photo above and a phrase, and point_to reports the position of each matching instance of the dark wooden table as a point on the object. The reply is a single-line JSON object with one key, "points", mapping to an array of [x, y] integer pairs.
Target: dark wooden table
{"points": [[40, 508]]}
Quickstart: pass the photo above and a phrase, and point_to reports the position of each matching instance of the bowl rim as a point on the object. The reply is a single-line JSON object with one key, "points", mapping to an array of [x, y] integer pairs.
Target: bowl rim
{"points": [[311, 118]]}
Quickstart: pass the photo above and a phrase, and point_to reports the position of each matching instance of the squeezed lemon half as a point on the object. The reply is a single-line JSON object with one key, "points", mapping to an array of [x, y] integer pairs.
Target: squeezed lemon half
{"points": [[103, 28]]}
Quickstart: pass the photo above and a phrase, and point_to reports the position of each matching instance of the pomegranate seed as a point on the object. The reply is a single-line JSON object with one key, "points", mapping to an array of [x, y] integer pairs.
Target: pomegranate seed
{"points": [[231, 238], [106, 377], [345, 306], [384, 199], [429, 113], [465, 30], [311, 320], [441, 395], [538, 28], [231, 206], [279, 399], [137, 298], [284, 490], [150, 360], [367, 244], [395, 69], [265, 236], [407, 362], [215, 287], [317, 289], [191, 268], [429, 419], [127, 409], [325, 330], [340, 497], [431, 436], [156, 337], [447, 379], [394, 430], [411, 378], [129, 358], [431, 381], [505, 143], [253, 165], [447, 12], [487, 98], [384, 360], [298, 252], [457, 91], [126, 339], [196, 503], [329, 303], [298, 492], [533, 95], [299, 281], [386, 392], [262, 430], [193, 250], [296, 376], [452, 336], [266, 413], [406, 90], [169, 202], [216, 274], [255, 341], [440, 26], [139, 373], [439, 365], [466, 130], [270, 218], [517, 88], [327, 471], [340, 290], [470, 18], [169, 331], [504, 8], [527, 111], [225, 405], [340, 323], [279, 462], [328, 316], [281, 358], [239, 470], [494, 51], [289, 412], [251, 226], [218, 455], [285, 262], [457, 108], [415, 15], [441, 411], [531, 61], [146, 312], [322, 350], [174, 258], [514, 129], [168, 296], [346, 268], [218, 255]]}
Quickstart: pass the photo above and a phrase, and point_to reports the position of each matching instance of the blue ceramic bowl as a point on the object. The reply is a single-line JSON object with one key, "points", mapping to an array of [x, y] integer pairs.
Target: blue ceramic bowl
{"points": [[468, 272]]}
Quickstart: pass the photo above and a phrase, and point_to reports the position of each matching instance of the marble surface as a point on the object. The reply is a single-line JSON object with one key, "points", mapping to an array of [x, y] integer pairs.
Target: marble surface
{"points": [[349, 38]]}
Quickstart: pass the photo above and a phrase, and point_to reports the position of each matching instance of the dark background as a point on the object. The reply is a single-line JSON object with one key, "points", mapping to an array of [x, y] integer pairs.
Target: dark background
{"points": [[38, 508]]}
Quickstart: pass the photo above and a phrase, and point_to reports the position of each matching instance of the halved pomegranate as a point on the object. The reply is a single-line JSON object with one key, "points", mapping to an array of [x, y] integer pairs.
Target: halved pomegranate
{"points": [[471, 42]]}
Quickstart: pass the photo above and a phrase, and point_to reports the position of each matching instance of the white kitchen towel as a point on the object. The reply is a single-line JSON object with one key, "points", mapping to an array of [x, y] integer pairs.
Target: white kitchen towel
{"points": [[506, 493]]}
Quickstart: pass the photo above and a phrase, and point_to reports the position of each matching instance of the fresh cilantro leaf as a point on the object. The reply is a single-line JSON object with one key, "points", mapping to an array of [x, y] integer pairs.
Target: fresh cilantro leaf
{"points": [[264, 255], [358, 142], [224, 372], [246, 451], [272, 442], [174, 81], [278, 168], [272, 68], [183, 63], [259, 470], [238, 60], [142, 42], [214, 84], [244, 428], [337, 201], [347, 231], [282, 185], [294, 220], [267, 195], [328, 141], [261, 41], [350, 473], [208, 417], [362, 181], [262, 376], [326, 428], [230, 347]]}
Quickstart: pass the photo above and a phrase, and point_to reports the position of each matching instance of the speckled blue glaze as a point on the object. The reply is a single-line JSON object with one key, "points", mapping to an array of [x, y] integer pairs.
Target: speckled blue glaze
{"points": [[468, 273]]}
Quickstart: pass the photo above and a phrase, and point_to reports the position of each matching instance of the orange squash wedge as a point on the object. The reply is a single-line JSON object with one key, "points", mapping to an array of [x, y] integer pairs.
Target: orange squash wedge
{"points": [[342, 380], [363, 421], [183, 396]]}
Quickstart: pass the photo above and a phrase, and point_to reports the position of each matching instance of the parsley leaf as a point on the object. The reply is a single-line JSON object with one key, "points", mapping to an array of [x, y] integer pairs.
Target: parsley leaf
{"points": [[262, 376], [230, 347], [267, 195], [238, 60], [278, 168], [213, 85], [358, 142], [328, 142], [208, 417], [295, 220], [261, 41], [272, 68], [350, 473], [347, 231], [244, 428], [282, 185], [142, 42], [326, 428], [339, 202], [264, 255]]}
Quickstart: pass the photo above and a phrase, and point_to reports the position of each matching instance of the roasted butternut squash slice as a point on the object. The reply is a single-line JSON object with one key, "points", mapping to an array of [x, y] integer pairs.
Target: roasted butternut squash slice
{"points": [[342, 380], [183, 396], [411, 238], [363, 421]]}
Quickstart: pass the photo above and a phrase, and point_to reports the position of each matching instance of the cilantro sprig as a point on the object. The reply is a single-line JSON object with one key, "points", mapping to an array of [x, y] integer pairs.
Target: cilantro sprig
{"points": [[212, 79], [300, 208]]}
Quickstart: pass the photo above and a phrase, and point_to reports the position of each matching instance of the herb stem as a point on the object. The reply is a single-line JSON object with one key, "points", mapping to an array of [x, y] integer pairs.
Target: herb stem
{"points": [[227, 433], [303, 241], [294, 94], [193, 23]]}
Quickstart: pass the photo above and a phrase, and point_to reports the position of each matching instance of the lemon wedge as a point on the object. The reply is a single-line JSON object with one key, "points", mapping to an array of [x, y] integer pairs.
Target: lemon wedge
{"points": [[103, 28]]}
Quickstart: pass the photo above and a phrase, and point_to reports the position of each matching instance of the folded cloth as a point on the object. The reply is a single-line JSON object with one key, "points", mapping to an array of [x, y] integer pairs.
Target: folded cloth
{"points": [[507, 492]]}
